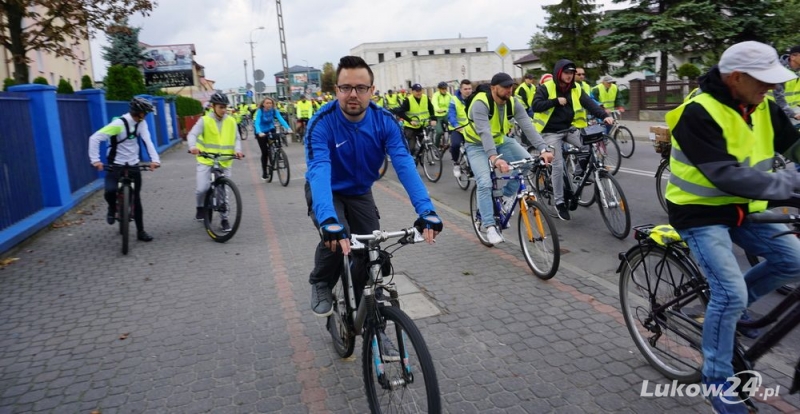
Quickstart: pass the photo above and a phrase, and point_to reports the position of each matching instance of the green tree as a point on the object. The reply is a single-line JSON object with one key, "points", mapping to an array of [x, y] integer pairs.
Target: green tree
{"points": [[7, 83], [136, 79], [786, 16], [56, 26], [64, 86], [123, 83], [328, 78], [569, 33], [186, 106], [124, 48], [86, 83], [688, 70], [40, 80]]}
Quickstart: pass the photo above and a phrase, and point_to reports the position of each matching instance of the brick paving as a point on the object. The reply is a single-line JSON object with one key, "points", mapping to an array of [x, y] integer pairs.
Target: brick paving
{"points": [[187, 325]]}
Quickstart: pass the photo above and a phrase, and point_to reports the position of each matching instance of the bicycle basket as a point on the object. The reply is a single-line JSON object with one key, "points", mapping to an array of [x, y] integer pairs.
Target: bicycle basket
{"points": [[592, 134]]}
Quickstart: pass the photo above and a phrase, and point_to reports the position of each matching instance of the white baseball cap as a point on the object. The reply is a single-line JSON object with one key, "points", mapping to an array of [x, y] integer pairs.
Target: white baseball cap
{"points": [[757, 60]]}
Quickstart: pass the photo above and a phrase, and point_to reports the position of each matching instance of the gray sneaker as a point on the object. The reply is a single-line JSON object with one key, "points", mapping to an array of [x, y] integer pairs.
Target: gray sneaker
{"points": [[321, 299], [388, 350]]}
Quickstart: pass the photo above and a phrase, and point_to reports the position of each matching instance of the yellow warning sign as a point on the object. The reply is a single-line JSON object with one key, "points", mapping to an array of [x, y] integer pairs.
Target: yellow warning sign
{"points": [[502, 50]]}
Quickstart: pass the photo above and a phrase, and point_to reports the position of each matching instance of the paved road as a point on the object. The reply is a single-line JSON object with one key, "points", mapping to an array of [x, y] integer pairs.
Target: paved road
{"points": [[187, 325]]}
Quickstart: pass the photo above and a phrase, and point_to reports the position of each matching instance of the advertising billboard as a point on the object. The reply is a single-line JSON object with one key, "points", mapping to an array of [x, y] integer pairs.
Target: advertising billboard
{"points": [[168, 66]]}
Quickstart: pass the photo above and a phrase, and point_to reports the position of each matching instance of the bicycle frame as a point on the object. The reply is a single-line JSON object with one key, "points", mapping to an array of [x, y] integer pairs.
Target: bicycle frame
{"points": [[504, 218]]}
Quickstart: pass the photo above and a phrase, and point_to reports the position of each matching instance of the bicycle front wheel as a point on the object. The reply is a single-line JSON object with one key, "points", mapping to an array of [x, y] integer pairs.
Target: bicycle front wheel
{"points": [[662, 177], [624, 138], [407, 385], [668, 340], [613, 205], [125, 217], [475, 215], [539, 239], [609, 152], [432, 163], [344, 341], [223, 207], [282, 165]]}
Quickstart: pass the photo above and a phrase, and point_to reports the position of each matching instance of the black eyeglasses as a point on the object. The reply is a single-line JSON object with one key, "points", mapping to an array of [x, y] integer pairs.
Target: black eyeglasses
{"points": [[580, 74], [360, 89]]}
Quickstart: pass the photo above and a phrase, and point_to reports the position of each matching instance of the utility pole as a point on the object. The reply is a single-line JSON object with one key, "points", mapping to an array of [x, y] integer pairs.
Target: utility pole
{"points": [[245, 74], [253, 58], [284, 55]]}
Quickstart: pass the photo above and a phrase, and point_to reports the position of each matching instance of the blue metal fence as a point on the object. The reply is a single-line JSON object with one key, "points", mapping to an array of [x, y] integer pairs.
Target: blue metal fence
{"points": [[116, 108], [73, 112], [19, 169]]}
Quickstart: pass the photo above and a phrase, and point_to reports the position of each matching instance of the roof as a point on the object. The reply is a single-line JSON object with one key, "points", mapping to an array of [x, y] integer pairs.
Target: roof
{"points": [[529, 58]]}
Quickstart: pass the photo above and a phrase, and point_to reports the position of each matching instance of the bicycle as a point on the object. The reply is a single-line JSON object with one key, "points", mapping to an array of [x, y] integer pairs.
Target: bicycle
{"points": [[466, 177], [126, 203], [301, 129], [391, 386], [222, 199], [607, 192], [536, 231], [384, 167], [663, 296], [427, 155], [277, 160], [244, 126], [622, 135]]}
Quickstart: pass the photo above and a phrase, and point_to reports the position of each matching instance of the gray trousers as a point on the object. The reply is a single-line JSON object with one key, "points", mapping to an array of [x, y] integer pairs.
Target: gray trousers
{"points": [[555, 140]]}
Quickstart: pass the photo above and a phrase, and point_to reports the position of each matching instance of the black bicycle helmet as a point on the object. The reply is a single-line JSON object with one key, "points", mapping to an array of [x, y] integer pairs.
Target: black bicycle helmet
{"points": [[442, 85], [141, 105], [219, 98]]}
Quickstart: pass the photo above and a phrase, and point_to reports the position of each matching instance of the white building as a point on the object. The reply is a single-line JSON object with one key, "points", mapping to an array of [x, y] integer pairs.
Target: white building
{"points": [[398, 65]]}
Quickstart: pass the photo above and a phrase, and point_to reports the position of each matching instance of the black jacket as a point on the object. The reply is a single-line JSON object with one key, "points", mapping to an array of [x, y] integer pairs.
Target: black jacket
{"points": [[562, 116]]}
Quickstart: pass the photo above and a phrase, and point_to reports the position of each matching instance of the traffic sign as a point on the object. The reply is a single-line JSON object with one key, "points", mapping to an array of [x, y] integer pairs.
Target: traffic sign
{"points": [[249, 94], [258, 74], [502, 50], [260, 87]]}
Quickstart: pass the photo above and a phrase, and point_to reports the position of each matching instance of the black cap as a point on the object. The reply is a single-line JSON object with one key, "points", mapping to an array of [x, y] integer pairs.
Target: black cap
{"points": [[794, 50], [502, 79], [569, 67], [529, 76], [416, 87]]}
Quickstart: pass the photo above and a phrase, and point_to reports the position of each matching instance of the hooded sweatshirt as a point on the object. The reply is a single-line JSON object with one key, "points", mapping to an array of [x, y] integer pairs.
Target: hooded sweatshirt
{"points": [[701, 140], [563, 115]]}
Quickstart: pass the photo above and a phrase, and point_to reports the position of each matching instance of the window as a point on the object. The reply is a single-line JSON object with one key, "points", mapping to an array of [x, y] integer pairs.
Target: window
{"points": [[430, 52], [477, 49], [398, 54], [380, 57], [447, 51], [650, 64], [415, 53], [463, 50]]}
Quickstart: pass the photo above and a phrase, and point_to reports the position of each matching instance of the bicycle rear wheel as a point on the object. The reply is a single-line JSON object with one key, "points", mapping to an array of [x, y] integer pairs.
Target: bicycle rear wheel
{"points": [[662, 177], [463, 179], [282, 165], [624, 138], [223, 204], [609, 152], [539, 239], [475, 215], [124, 217], [543, 187], [432, 163], [613, 205], [667, 340], [407, 385]]}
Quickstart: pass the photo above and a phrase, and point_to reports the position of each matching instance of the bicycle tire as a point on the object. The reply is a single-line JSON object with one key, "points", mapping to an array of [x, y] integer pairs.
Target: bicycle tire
{"points": [[344, 340], [282, 165], [543, 188], [423, 395], [609, 151], [432, 163], [243, 132], [661, 184], [124, 218], [624, 138], [463, 180], [384, 168], [226, 186], [671, 351], [475, 216], [611, 198], [538, 234]]}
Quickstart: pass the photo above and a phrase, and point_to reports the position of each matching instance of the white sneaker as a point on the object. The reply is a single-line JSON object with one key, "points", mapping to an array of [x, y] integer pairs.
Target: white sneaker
{"points": [[508, 203], [493, 236], [457, 171]]}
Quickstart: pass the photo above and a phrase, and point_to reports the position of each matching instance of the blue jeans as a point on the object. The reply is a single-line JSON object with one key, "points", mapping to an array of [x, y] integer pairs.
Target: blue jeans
{"points": [[732, 292], [511, 150]]}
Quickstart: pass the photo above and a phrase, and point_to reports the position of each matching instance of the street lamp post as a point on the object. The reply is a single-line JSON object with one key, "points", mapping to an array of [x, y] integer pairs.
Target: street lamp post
{"points": [[253, 58]]}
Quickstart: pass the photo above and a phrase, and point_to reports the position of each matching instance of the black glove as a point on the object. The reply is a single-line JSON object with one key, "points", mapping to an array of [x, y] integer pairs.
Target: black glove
{"points": [[429, 220], [331, 230]]}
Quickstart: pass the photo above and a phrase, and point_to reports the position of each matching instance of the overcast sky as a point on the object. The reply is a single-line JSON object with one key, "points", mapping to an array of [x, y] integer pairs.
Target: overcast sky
{"points": [[319, 31]]}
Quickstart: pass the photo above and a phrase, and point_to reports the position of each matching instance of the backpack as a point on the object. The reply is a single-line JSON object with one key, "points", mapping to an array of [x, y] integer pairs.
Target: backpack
{"points": [[487, 89], [112, 154]]}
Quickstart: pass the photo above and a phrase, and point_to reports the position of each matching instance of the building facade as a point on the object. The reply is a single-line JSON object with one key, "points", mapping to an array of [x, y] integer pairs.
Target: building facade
{"points": [[302, 80], [398, 65]]}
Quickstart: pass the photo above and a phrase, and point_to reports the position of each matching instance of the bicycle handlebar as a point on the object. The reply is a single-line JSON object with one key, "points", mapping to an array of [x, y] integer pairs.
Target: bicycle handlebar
{"points": [[381, 236], [142, 166], [214, 155], [770, 217]]}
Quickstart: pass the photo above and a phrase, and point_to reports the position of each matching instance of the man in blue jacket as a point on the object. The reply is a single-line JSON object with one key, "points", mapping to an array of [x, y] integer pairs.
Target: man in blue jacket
{"points": [[347, 141]]}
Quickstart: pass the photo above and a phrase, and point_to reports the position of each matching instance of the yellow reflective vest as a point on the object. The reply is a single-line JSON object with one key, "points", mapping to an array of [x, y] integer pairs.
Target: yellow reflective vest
{"points": [[498, 122], [461, 114], [752, 147], [216, 141], [578, 121], [417, 110], [529, 91], [304, 109], [392, 101], [608, 96], [441, 101], [791, 90]]}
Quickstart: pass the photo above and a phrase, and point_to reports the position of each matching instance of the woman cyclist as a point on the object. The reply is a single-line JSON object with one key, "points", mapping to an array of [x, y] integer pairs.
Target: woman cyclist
{"points": [[264, 125]]}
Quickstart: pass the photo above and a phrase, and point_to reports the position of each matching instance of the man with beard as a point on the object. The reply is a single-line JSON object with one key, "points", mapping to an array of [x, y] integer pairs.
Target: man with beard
{"points": [[486, 138], [347, 141]]}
